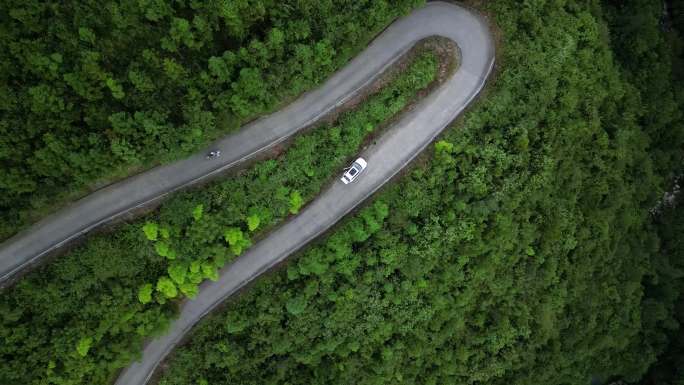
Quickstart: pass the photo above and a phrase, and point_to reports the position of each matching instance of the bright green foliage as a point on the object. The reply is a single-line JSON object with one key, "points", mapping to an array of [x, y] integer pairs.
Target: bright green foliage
{"points": [[151, 230], [145, 293], [209, 271], [83, 346], [444, 147], [195, 267], [189, 289], [94, 289], [237, 240], [177, 272], [167, 287], [296, 202], [233, 235], [94, 89], [197, 212], [253, 222], [162, 248]]}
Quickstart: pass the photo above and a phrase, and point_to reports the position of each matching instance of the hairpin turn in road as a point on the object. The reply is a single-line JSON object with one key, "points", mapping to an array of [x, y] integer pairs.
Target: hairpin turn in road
{"points": [[391, 153]]}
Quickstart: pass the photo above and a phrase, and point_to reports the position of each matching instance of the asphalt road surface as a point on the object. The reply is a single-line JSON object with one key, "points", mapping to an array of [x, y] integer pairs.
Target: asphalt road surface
{"points": [[389, 155]]}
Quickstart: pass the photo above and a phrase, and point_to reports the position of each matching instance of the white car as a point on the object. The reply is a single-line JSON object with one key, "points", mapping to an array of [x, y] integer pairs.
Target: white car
{"points": [[354, 170]]}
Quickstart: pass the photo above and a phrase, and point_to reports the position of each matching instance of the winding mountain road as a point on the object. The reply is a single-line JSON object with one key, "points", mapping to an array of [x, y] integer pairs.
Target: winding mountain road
{"points": [[394, 150], [29, 246]]}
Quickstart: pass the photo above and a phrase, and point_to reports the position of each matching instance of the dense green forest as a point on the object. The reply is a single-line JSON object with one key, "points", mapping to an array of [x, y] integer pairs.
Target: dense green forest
{"points": [[85, 315], [527, 247], [641, 45], [669, 290], [92, 90], [524, 251]]}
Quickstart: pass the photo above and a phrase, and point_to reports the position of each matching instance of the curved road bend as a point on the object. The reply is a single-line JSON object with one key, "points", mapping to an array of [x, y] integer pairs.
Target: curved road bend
{"points": [[27, 247], [391, 153]]}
